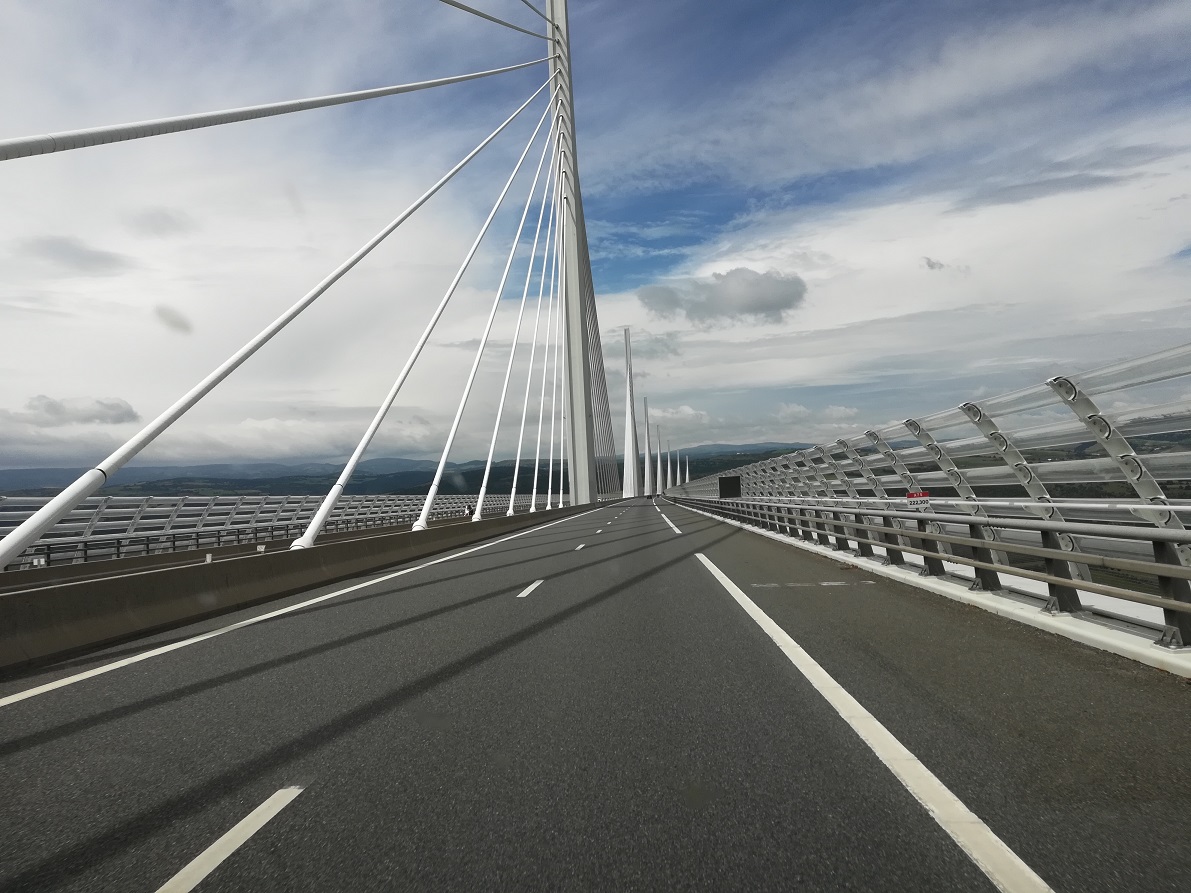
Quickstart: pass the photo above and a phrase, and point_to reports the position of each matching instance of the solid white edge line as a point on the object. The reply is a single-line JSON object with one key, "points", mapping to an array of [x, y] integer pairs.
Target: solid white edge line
{"points": [[671, 523], [194, 640], [214, 855], [531, 587], [1003, 867]]}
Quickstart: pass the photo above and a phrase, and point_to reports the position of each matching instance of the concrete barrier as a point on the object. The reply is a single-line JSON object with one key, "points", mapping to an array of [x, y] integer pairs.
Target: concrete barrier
{"points": [[40, 624]]}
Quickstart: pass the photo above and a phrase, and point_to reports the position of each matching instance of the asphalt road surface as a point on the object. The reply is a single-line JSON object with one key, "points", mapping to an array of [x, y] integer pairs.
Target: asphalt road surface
{"points": [[623, 724]]}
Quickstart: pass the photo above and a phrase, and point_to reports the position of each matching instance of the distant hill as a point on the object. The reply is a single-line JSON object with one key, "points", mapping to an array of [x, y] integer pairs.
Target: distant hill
{"points": [[25, 479], [384, 475]]}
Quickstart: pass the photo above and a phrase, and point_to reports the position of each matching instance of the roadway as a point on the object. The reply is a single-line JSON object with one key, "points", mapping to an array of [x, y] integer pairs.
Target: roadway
{"points": [[625, 724]]}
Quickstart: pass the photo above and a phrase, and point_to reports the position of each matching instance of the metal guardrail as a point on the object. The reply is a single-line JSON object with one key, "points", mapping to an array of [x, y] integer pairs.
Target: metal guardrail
{"points": [[104, 528], [1080, 483], [993, 548]]}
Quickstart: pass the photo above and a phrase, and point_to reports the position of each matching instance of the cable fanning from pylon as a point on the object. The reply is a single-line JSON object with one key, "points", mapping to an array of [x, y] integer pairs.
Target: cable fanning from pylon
{"points": [[551, 144], [31, 529], [332, 497], [424, 517], [547, 258]]}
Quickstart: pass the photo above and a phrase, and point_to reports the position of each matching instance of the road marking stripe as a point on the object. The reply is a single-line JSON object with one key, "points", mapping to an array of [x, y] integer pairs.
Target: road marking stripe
{"points": [[1003, 867], [580, 546], [202, 637], [531, 587], [211, 858], [671, 523]]}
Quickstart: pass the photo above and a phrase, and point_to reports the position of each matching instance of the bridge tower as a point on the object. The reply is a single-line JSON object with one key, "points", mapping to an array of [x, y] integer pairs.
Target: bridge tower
{"points": [[631, 478], [578, 291]]}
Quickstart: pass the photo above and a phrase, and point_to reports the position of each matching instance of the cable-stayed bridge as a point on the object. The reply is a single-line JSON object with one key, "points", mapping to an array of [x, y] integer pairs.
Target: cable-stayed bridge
{"points": [[944, 654]]}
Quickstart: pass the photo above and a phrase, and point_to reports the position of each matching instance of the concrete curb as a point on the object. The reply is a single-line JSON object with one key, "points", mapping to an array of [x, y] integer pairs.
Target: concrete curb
{"points": [[44, 623], [1113, 641]]}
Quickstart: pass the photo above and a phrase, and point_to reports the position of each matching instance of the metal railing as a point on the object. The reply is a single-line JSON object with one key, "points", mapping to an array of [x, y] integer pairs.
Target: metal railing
{"points": [[1079, 484], [104, 528]]}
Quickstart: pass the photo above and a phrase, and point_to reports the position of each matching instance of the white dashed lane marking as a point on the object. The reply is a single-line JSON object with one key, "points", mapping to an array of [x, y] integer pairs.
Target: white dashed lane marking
{"points": [[530, 588]]}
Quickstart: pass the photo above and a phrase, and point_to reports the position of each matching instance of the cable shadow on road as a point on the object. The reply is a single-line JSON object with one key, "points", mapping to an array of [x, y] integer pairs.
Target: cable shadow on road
{"points": [[102, 655], [77, 859], [94, 658], [398, 589], [45, 736]]}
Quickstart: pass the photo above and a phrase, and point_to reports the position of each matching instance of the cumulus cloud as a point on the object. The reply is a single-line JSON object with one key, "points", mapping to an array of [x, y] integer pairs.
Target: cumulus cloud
{"points": [[70, 256], [792, 412], [48, 412], [739, 294]]}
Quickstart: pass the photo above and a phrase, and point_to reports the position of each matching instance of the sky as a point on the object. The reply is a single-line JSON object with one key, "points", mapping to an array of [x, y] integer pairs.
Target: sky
{"points": [[815, 217]]}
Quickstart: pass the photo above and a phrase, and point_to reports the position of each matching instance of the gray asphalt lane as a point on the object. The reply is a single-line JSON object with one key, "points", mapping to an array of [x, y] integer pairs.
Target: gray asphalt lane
{"points": [[625, 726], [1071, 755]]}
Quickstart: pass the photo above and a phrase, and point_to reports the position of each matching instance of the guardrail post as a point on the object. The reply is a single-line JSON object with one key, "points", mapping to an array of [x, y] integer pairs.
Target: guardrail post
{"points": [[1063, 599], [932, 567], [1177, 633], [987, 579], [820, 526], [840, 532], [893, 555], [863, 548]]}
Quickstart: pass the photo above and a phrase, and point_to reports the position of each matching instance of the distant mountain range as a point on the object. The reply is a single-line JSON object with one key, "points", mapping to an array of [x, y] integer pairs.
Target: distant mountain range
{"points": [[31, 478], [385, 475]]}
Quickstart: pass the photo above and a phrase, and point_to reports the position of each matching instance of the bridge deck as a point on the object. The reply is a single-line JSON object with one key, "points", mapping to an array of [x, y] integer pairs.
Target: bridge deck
{"points": [[625, 725]]}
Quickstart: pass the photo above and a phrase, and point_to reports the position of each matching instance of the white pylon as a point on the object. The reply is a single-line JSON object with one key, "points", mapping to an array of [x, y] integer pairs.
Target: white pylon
{"points": [[669, 470], [631, 486], [688, 469], [661, 477], [650, 488], [576, 296]]}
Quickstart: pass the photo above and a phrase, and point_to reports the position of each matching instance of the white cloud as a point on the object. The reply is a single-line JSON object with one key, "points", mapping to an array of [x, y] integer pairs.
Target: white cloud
{"points": [[109, 252], [792, 412], [739, 293], [48, 412], [840, 413], [1039, 158], [916, 89]]}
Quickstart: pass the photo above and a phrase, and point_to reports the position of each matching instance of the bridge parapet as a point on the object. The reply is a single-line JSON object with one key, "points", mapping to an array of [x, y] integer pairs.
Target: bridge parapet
{"points": [[1082, 481], [110, 527]]}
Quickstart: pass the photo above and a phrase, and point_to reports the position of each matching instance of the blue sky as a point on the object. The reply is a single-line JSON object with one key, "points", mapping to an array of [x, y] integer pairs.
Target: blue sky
{"points": [[815, 216]]}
